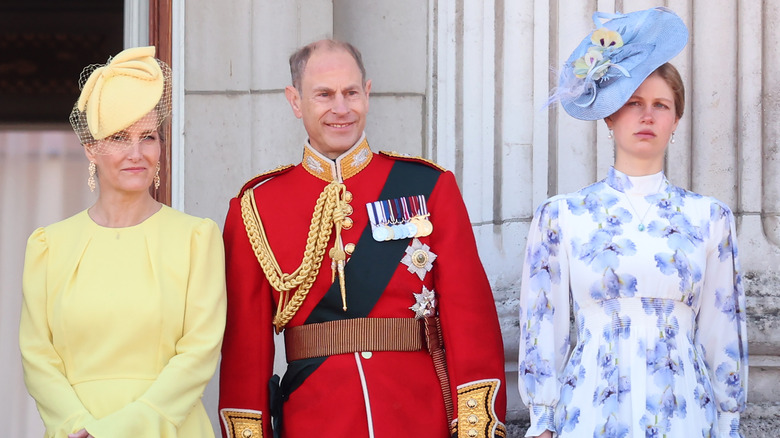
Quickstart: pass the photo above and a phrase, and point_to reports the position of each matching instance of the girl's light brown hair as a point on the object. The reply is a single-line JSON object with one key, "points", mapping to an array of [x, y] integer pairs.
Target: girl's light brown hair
{"points": [[671, 76]]}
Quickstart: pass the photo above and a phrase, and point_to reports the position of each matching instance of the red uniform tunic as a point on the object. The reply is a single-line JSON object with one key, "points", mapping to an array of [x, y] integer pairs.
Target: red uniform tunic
{"points": [[380, 394]]}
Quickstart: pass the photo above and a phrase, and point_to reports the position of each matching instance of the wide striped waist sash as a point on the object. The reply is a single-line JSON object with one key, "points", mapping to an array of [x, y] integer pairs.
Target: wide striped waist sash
{"points": [[354, 335]]}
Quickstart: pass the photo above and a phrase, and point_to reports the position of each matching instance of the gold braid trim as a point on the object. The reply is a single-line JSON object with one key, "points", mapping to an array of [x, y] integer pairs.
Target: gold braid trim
{"points": [[242, 423], [476, 411], [329, 210]]}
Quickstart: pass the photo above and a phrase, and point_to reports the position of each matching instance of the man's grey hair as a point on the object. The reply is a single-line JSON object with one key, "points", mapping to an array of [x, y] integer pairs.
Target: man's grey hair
{"points": [[301, 56]]}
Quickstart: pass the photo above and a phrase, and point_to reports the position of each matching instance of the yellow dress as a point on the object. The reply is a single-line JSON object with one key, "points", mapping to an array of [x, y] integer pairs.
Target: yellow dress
{"points": [[121, 328]]}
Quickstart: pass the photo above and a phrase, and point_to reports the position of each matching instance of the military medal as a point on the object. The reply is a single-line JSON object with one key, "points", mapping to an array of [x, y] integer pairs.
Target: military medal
{"points": [[420, 219], [390, 232], [424, 226], [380, 234], [410, 226], [388, 221], [401, 232], [399, 218], [379, 231], [398, 233], [396, 214]]}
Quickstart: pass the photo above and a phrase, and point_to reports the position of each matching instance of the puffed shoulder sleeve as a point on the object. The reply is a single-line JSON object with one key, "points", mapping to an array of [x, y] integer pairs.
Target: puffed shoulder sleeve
{"points": [[179, 386], [44, 373]]}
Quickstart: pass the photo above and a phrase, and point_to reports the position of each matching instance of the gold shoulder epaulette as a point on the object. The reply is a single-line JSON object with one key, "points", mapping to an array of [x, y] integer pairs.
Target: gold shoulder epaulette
{"points": [[264, 176], [400, 156]]}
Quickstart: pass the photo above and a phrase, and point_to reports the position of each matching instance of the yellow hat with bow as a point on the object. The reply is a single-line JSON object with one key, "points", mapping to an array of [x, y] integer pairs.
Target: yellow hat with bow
{"points": [[121, 92]]}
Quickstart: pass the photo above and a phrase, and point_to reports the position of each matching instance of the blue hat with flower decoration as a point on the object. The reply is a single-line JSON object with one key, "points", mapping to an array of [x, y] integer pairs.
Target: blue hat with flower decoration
{"points": [[612, 62]]}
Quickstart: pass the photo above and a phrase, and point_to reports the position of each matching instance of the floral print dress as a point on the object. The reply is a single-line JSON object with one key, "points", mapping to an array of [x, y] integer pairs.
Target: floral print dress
{"points": [[650, 273]]}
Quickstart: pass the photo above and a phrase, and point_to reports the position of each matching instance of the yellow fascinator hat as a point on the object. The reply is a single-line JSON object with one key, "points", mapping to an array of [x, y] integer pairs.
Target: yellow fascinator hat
{"points": [[119, 93]]}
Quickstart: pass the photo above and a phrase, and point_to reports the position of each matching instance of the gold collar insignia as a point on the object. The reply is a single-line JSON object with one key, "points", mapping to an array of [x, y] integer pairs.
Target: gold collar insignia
{"points": [[347, 165]]}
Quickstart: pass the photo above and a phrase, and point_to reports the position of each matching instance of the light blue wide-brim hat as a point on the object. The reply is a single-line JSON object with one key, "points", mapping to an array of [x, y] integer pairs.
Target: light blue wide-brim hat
{"points": [[612, 61]]}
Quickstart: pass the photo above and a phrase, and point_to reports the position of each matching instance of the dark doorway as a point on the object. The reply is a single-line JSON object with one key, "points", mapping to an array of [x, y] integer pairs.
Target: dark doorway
{"points": [[44, 45]]}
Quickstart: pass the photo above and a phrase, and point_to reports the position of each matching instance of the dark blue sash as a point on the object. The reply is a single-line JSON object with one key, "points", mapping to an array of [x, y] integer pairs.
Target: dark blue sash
{"points": [[368, 272]]}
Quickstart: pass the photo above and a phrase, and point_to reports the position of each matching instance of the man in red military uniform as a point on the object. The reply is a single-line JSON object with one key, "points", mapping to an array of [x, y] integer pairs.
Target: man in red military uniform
{"points": [[367, 264]]}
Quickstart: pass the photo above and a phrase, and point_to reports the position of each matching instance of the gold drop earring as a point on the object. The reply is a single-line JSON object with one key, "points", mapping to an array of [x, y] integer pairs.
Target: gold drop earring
{"points": [[91, 179], [157, 177]]}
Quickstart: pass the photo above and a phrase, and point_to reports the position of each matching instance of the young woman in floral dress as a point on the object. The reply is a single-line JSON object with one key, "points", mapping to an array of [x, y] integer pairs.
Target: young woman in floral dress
{"points": [[649, 270]]}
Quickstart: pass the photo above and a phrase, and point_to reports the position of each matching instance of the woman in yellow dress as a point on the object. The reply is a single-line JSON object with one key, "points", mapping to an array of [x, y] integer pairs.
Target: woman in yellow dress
{"points": [[124, 303]]}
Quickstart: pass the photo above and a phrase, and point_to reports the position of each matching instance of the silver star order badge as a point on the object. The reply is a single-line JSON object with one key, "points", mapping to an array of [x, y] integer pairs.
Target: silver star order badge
{"points": [[425, 307], [419, 258]]}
